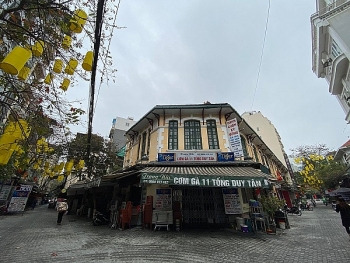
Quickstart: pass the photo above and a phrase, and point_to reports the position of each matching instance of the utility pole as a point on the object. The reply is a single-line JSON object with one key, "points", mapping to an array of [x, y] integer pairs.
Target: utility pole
{"points": [[98, 30]]}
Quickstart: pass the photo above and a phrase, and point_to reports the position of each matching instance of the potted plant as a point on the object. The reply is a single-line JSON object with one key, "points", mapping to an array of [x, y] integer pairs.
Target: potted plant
{"points": [[270, 205]]}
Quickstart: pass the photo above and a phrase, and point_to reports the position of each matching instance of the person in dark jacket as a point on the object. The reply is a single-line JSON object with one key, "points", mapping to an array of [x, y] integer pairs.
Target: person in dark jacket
{"points": [[344, 210]]}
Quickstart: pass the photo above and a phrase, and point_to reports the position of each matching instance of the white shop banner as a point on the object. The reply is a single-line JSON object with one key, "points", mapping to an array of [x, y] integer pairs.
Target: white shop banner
{"points": [[234, 137], [196, 157]]}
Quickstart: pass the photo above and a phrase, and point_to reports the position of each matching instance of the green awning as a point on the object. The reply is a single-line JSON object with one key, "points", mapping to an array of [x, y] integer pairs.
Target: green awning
{"points": [[239, 177], [121, 152]]}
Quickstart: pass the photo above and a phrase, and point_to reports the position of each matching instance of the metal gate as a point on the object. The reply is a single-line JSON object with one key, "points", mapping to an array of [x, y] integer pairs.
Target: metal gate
{"points": [[202, 206]]}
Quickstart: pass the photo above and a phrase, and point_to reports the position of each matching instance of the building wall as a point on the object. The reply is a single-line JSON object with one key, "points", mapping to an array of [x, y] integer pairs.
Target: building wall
{"points": [[123, 124], [331, 48], [117, 133], [159, 141], [267, 132]]}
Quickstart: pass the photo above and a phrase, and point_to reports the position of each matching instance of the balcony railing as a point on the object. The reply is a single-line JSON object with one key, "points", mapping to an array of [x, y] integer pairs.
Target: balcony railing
{"points": [[332, 9]]}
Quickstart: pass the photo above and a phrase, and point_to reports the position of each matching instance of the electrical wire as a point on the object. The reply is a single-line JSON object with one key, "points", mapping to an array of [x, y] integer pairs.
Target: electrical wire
{"points": [[262, 54], [108, 47]]}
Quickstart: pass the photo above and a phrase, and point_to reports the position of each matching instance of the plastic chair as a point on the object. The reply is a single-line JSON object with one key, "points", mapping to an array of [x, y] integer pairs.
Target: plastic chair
{"points": [[125, 215]]}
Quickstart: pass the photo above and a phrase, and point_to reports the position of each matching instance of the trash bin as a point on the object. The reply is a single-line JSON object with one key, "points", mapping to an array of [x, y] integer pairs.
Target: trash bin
{"points": [[239, 221]]}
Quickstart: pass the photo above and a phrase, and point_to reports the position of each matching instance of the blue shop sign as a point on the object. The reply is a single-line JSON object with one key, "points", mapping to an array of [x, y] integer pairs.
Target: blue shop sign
{"points": [[226, 157], [230, 191], [166, 157]]}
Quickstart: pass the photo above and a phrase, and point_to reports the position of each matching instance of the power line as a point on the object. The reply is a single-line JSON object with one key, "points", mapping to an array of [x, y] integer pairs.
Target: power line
{"points": [[108, 47], [262, 53]]}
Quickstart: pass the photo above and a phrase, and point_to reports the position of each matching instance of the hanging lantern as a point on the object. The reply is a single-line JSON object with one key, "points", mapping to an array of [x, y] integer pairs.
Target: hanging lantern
{"points": [[60, 178], [72, 65], [48, 78], [67, 41], [57, 67], [5, 156], [78, 21], [65, 84], [61, 166], [81, 164], [56, 168], [38, 48], [88, 60], [7, 140], [19, 129], [35, 166], [15, 60], [24, 73], [68, 167]]}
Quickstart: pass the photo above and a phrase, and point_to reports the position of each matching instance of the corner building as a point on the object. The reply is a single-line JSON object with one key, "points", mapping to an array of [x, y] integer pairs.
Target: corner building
{"points": [[201, 163]]}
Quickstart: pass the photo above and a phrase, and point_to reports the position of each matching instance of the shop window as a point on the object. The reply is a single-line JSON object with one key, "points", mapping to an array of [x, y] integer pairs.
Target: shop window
{"points": [[244, 146], [247, 194], [193, 138], [143, 149], [173, 135], [212, 134]]}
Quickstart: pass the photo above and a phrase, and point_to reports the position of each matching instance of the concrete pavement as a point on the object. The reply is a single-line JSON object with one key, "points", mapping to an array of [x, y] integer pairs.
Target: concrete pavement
{"points": [[316, 236]]}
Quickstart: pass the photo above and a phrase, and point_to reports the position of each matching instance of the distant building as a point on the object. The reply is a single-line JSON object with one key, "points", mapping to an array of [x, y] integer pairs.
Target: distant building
{"points": [[119, 127], [331, 48], [269, 134]]}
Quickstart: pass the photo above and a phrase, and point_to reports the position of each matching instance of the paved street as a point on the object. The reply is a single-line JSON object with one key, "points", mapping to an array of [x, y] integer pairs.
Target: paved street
{"points": [[316, 236]]}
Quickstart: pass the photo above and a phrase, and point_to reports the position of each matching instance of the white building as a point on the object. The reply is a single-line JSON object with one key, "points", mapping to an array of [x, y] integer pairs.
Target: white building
{"points": [[331, 48], [119, 127], [268, 133], [343, 154]]}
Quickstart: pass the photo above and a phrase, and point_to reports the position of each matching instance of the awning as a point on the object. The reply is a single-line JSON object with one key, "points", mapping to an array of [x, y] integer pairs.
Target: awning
{"points": [[213, 176]]}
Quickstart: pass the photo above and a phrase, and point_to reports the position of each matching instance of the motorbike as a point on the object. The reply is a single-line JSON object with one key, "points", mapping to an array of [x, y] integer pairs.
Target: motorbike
{"points": [[99, 219], [293, 210]]}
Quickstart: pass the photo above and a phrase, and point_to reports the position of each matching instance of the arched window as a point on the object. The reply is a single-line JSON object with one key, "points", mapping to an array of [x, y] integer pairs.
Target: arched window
{"points": [[212, 132], [193, 137]]}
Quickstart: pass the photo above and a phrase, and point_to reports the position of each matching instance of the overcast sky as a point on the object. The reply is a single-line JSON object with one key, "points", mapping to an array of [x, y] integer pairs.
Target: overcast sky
{"points": [[191, 51]]}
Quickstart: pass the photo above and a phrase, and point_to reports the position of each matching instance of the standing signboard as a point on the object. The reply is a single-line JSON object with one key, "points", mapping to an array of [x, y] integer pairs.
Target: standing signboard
{"points": [[163, 199], [19, 198], [234, 137], [231, 201]]}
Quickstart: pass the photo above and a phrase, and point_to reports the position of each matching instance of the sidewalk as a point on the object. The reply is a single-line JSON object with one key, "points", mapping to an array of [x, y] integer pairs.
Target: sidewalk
{"points": [[316, 236]]}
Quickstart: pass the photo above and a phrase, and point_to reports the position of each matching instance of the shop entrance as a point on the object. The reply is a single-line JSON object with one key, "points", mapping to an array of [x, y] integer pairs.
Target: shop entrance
{"points": [[202, 207]]}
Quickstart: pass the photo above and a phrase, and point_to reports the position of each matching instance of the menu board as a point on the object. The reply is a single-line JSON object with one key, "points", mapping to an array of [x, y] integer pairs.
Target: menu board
{"points": [[19, 199], [231, 201], [163, 199]]}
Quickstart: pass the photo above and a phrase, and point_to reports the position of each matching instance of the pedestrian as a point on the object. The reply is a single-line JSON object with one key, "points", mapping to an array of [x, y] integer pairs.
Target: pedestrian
{"points": [[62, 208], [344, 210], [33, 204], [313, 202]]}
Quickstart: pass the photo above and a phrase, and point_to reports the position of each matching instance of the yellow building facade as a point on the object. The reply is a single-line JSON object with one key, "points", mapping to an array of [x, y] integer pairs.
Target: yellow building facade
{"points": [[194, 158]]}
